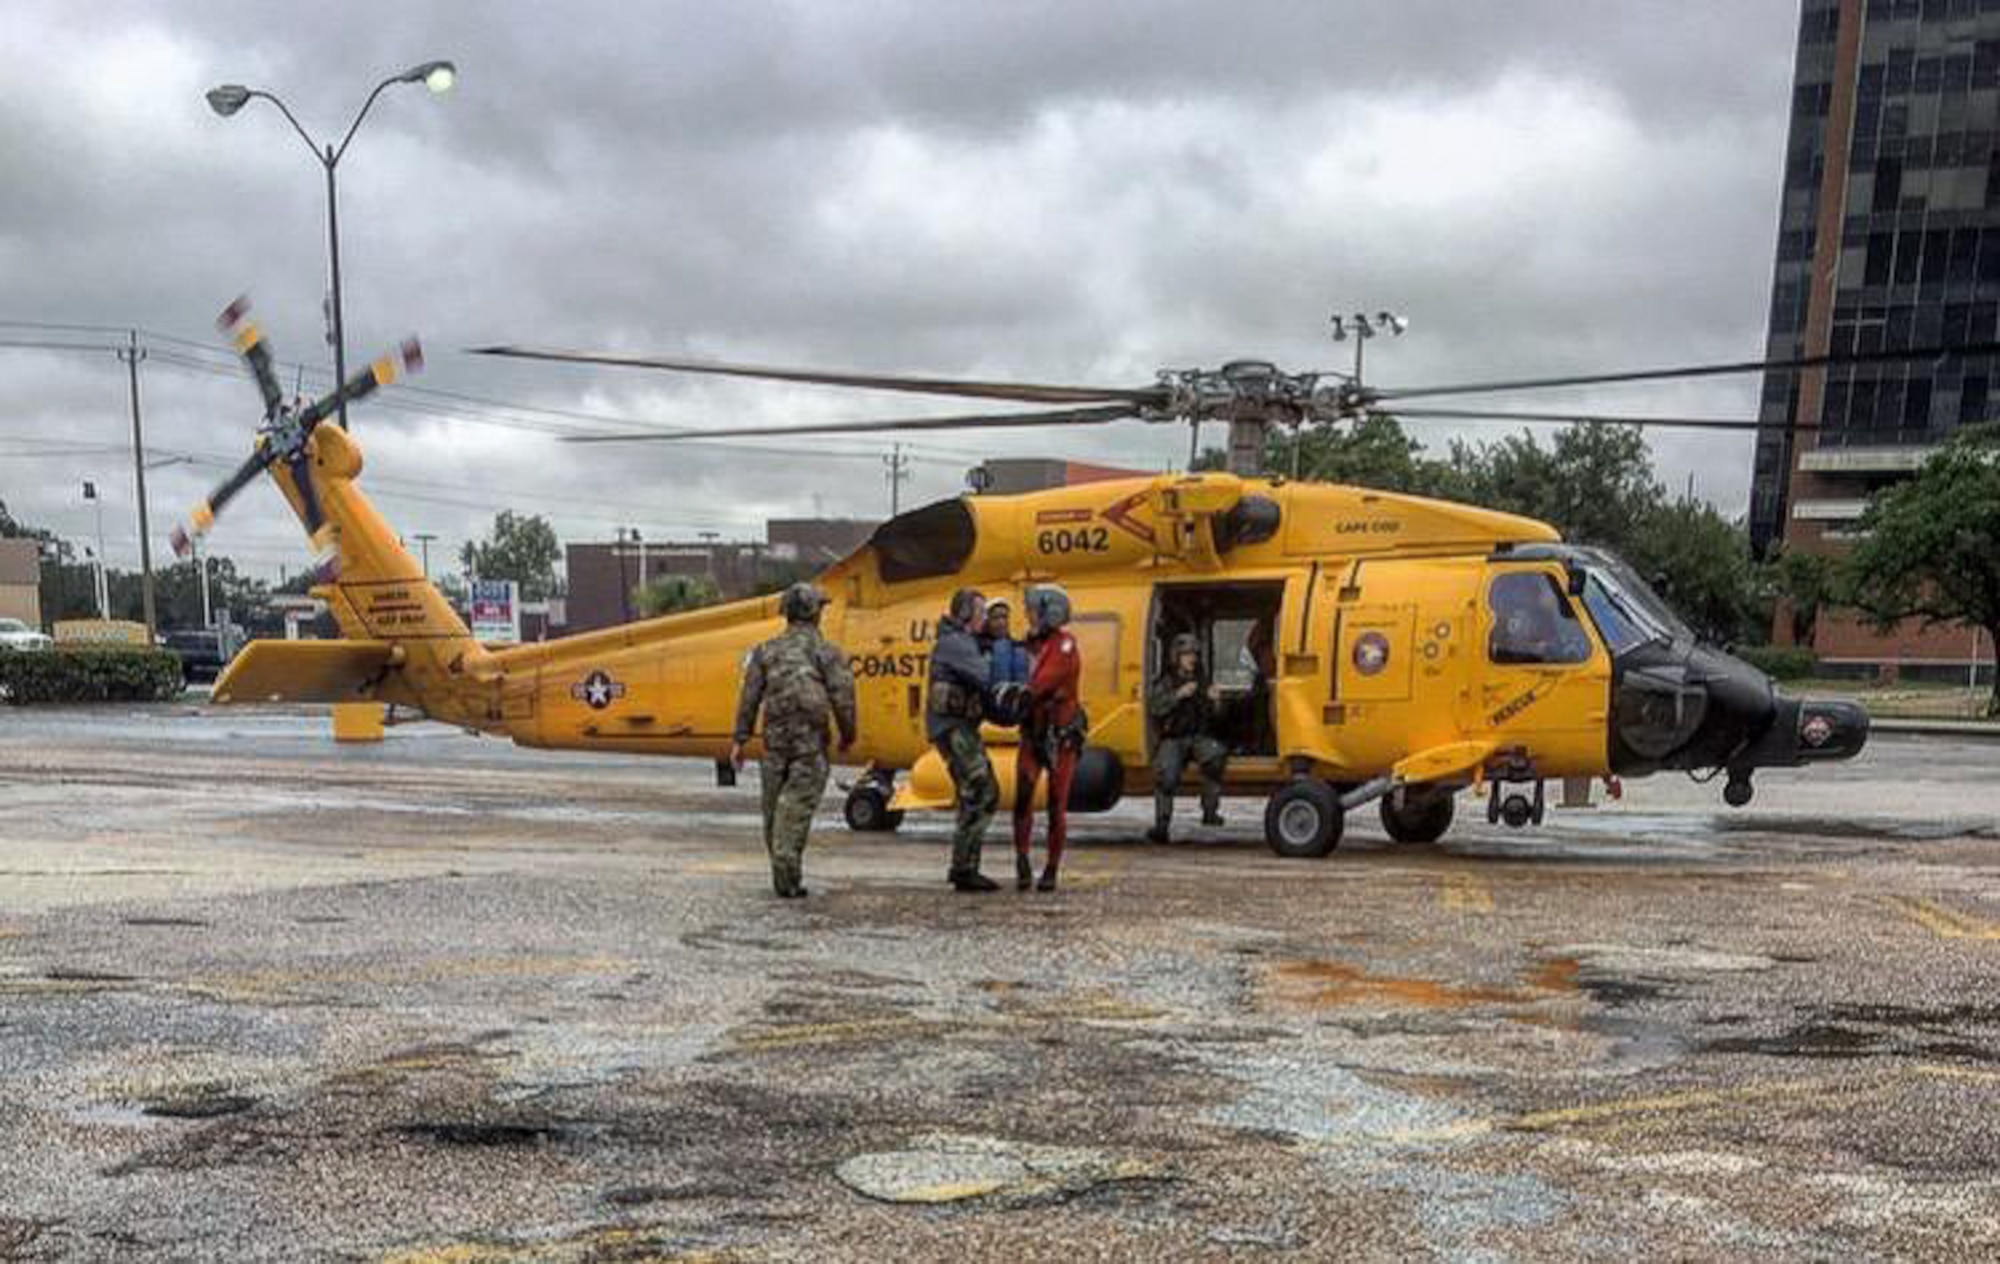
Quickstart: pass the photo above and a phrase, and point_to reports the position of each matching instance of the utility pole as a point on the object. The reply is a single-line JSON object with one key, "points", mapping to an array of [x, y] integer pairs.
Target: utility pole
{"points": [[423, 539], [898, 472], [131, 355], [624, 578]]}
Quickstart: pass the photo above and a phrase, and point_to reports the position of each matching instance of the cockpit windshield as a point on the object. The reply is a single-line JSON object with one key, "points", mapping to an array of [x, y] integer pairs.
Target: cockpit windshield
{"points": [[1626, 611]]}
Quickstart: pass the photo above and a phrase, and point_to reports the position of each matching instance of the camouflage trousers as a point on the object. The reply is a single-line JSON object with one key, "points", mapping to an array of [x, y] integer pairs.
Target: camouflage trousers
{"points": [[792, 783], [978, 793], [1171, 758]]}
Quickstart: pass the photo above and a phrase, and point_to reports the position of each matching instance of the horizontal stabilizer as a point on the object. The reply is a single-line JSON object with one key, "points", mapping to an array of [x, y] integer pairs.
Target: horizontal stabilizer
{"points": [[305, 671]]}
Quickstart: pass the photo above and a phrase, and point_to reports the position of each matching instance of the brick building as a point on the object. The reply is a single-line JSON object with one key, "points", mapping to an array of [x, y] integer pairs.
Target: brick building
{"points": [[21, 581], [604, 576], [1888, 237]]}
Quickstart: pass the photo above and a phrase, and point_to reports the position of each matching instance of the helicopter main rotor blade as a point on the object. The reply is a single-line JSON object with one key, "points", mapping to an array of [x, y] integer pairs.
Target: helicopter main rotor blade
{"points": [[1019, 392], [967, 421], [1832, 360], [1690, 423]]}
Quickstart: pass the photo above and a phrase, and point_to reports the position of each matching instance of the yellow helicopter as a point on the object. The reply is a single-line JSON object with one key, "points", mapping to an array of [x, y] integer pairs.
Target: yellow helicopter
{"points": [[1372, 648]]}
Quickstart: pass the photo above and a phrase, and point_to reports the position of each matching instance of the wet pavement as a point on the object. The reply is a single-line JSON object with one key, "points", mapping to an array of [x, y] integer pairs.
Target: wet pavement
{"points": [[442, 999]]}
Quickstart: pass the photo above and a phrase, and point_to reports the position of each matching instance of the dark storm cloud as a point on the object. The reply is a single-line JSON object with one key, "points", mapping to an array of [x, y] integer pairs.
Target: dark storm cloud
{"points": [[1045, 190]]}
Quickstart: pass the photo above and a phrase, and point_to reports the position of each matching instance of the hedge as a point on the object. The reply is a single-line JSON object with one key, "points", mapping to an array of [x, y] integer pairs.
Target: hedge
{"points": [[1780, 662], [89, 674]]}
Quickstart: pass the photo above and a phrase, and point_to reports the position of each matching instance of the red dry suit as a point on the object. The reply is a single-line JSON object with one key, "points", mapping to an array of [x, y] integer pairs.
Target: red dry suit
{"points": [[1050, 738]]}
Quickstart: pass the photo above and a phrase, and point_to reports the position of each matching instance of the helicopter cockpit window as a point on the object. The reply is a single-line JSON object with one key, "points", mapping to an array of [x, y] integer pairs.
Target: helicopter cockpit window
{"points": [[925, 543], [1533, 622], [1622, 620]]}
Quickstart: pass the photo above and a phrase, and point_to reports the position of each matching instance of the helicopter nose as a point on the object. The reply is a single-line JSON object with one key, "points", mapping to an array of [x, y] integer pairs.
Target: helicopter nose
{"points": [[1809, 731]]}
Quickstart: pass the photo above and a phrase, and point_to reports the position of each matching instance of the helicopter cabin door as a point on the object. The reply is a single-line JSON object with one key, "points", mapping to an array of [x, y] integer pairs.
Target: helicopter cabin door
{"points": [[1543, 683]]}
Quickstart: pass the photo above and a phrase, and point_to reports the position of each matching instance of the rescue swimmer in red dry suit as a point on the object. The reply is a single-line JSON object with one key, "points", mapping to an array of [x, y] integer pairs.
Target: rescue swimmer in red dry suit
{"points": [[1052, 731]]}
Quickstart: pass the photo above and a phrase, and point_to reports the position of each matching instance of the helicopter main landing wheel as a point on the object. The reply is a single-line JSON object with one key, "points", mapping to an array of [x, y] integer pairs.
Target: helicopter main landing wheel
{"points": [[867, 809], [1423, 817], [1303, 820]]}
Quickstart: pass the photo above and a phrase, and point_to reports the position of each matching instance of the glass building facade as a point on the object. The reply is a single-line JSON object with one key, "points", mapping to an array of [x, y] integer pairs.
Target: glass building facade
{"points": [[1888, 237]]}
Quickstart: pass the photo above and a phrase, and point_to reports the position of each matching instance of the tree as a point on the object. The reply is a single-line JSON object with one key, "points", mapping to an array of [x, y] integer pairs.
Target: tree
{"points": [[523, 548], [1700, 561], [1371, 451], [1594, 482], [671, 594], [1806, 583], [1930, 547]]}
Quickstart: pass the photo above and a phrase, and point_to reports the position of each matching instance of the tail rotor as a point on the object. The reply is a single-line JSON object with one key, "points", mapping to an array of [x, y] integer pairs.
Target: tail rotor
{"points": [[285, 430]]}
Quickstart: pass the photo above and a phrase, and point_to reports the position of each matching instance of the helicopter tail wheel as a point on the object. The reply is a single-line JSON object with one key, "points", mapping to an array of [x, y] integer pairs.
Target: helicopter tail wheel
{"points": [[867, 809], [1303, 820], [1423, 817]]}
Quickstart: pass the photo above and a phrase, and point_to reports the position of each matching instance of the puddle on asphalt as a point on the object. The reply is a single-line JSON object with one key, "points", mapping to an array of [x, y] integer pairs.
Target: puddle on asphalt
{"points": [[1849, 1031], [1334, 983]]}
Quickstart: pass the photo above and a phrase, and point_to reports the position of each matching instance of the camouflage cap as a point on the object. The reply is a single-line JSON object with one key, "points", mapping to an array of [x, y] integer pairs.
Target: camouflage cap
{"points": [[802, 603]]}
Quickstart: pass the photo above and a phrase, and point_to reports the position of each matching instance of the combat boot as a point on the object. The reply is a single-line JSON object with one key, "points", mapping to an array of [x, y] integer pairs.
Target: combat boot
{"points": [[1024, 872], [1158, 834], [1048, 882], [973, 880], [1211, 817]]}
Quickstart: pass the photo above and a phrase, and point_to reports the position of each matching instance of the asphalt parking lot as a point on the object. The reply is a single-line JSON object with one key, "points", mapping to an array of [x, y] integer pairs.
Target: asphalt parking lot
{"points": [[441, 999]]}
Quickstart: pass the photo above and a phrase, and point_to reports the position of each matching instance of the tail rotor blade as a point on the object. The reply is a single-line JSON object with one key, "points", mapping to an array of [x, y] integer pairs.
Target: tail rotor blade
{"points": [[251, 346], [203, 515], [405, 360]]}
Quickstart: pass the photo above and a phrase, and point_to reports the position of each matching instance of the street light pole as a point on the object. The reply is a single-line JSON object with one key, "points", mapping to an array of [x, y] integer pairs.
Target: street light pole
{"points": [[333, 262], [227, 99]]}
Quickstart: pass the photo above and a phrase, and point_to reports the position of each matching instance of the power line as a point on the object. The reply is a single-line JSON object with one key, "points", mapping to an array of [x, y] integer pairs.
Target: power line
{"points": [[227, 364]]}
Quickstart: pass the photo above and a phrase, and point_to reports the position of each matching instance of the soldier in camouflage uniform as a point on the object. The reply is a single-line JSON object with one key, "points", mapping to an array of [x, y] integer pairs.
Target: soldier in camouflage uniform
{"points": [[804, 688], [1182, 705], [960, 686]]}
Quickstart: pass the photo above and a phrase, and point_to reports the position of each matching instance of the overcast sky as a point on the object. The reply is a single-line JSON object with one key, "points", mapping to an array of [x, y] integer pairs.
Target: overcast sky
{"points": [[1053, 191]]}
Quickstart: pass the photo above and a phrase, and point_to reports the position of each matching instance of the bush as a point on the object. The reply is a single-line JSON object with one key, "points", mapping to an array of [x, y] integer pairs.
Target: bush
{"points": [[1780, 662], [90, 674]]}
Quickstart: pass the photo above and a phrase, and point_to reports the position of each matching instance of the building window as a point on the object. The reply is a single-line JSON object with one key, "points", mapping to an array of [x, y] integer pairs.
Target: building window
{"points": [[1888, 184], [1909, 256], [1972, 400], [1964, 254], [1937, 251], [1917, 405], [1881, 246]]}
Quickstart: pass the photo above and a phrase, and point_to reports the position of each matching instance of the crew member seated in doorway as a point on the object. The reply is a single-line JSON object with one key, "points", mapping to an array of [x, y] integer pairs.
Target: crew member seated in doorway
{"points": [[1182, 704], [1051, 735]]}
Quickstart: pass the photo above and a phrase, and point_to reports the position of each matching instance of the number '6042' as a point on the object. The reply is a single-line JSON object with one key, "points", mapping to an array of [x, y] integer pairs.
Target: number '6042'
{"points": [[1078, 540]]}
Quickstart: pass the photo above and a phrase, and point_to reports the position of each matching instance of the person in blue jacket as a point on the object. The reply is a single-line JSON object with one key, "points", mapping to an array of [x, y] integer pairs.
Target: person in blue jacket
{"points": [[1007, 656]]}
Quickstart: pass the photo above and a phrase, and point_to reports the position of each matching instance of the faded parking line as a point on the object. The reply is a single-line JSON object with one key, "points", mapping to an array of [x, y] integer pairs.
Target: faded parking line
{"points": [[1943, 921], [1465, 892]]}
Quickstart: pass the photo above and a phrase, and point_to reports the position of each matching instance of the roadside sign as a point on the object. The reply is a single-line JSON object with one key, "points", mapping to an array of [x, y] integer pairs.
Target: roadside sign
{"points": [[100, 632], [496, 611]]}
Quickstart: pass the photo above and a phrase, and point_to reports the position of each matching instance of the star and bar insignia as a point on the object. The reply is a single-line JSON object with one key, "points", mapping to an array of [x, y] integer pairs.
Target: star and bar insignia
{"points": [[597, 690]]}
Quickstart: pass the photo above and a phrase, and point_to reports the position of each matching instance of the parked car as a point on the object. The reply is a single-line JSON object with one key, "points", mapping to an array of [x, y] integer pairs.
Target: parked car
{"points": [[16, 635], [203, 653]]}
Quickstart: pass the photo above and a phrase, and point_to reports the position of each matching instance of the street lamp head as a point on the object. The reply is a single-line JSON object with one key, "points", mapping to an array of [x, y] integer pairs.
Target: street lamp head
{"points": [[438, 76], [228, 98]]}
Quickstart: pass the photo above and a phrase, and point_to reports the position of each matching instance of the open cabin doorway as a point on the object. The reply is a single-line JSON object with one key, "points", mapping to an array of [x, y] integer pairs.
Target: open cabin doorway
{"points": [[1235, 624]]}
